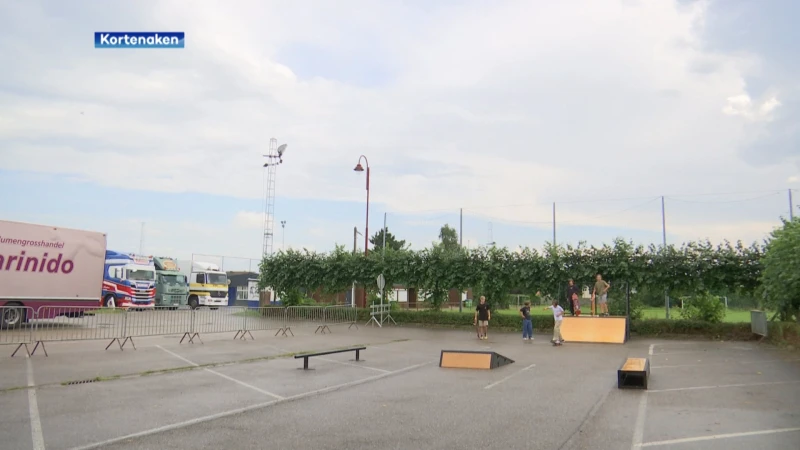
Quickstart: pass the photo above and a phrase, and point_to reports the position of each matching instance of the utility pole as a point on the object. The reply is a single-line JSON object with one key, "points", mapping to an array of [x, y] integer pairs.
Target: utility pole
{"points": [[791, 206], [355, 250], [664, 242], [461, 227], [384, 235], [554, 223], [460, 244], [283, 235]]}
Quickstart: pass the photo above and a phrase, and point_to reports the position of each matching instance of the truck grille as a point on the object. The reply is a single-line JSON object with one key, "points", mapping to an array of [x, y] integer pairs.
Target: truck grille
{"points": [[142, 295], [218, 294]]}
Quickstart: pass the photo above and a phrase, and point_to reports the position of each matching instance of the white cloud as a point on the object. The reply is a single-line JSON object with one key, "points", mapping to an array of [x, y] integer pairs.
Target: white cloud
{"points": [[249, 219], [742, 105], [507, 102]]}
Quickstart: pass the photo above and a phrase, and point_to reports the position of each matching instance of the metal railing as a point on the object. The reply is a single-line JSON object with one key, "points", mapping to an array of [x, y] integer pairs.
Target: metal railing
{"points": [[22, 326], [13, 327], [379, 314]]}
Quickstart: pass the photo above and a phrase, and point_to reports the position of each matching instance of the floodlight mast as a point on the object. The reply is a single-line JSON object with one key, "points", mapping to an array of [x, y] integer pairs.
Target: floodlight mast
{"points": [[274, 158]]}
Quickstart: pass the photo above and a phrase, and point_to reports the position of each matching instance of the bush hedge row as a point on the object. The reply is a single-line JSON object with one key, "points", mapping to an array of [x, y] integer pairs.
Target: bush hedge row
{"points": [[781, 333]]}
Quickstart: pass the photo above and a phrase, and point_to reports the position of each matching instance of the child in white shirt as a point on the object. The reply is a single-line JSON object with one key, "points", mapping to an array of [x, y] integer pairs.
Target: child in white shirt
{"points": [[558, 314]]}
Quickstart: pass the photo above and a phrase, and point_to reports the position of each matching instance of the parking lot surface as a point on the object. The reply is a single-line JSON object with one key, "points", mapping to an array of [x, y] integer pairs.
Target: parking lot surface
{"points": [[231, 393]]}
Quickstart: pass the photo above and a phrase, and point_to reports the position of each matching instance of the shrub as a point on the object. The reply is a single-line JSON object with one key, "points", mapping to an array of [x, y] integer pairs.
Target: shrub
{"points": [[464, 319], [671, 327], [784, 333], [617, 308], [703, 307]]}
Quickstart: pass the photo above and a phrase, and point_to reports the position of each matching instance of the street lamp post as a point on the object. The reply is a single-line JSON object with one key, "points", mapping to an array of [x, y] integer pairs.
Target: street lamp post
{"points": [[360, 168], [283, 235]]}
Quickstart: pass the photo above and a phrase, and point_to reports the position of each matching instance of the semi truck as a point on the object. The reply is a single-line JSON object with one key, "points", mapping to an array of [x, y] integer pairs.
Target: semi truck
{"points": [[172, 287], [208, 286], [44, 266], [129, 281]]}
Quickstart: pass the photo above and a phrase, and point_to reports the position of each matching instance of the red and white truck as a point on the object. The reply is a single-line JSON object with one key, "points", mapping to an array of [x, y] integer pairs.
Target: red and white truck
{"points": [[43, 265]]}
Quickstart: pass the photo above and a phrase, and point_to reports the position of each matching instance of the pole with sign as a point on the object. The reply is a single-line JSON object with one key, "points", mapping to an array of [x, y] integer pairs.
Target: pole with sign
{"points": [[381, 286]]}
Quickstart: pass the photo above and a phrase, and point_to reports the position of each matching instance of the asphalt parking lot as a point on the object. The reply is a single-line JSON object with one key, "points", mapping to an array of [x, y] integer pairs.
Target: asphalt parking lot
{"points": [[228, 393]]}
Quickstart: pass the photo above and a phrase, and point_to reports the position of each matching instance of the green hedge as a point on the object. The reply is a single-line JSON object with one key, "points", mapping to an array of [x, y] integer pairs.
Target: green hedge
{"points": [[682, 327], [780, 333], [785, 334], [465, 319]]}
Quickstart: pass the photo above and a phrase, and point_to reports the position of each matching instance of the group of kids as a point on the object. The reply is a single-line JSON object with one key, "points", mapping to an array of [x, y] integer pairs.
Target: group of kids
{"points": [[600, 292]]}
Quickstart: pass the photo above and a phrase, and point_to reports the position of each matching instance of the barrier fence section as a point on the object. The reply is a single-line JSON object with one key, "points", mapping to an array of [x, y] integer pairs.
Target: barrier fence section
{"points": [[339, 315], [304, 316], [265, 318], [13, 334], [758, 323], [380, 314], [23, 325]]}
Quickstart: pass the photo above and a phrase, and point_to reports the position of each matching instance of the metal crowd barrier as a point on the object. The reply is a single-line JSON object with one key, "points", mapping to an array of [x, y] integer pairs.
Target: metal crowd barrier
{"points": [[338, 315], [383, 311], [76, 323], [20, 335]]}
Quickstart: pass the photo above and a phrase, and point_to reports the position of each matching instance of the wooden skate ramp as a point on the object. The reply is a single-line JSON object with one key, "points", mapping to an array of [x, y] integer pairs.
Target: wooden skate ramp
{"points": [[468, 359], [605, 330]]}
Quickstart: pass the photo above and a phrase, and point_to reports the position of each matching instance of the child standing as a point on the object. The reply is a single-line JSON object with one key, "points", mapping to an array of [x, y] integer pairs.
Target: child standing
{"points": [[558, 315], [576, 305], [527, 324]]}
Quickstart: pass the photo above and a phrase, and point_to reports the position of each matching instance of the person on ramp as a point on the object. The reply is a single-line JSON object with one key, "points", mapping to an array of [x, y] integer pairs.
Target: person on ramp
{"points": [[482, 317], [601, 293], [572, 290]]}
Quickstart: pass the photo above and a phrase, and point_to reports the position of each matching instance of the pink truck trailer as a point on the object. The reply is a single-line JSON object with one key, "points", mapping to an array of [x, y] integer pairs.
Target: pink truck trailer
{"points": [[48, 266]]}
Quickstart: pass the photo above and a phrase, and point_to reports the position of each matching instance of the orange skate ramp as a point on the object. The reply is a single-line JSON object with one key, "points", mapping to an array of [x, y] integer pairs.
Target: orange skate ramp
{"points": [[605, 330], [468, 359]]}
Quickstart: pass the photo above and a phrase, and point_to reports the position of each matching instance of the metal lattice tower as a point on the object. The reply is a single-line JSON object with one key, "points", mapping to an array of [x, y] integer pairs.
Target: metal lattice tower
{"points": [[274, 157]]}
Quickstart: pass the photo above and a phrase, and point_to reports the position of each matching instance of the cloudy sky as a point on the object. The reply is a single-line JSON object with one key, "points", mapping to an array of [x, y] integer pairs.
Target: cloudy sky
{"points": [[497, 107]]}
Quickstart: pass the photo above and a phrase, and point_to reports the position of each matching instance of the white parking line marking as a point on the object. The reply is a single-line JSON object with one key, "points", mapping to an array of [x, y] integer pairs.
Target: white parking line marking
{"points": [[765, 361], [769, 383], [638, 427], [719, 436], [354, 365], [335, 361], [258, 406], [241, 383], [509, 377], [33, 409]]}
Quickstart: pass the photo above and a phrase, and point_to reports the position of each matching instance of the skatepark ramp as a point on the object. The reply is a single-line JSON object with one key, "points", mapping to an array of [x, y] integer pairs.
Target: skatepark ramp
{"points": [[605, 330], [469, 359]]}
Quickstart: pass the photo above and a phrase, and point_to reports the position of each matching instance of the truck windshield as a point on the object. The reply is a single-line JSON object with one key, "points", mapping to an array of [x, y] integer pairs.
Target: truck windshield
{"points": [[217, 278], [173, 279], [141, 275]]}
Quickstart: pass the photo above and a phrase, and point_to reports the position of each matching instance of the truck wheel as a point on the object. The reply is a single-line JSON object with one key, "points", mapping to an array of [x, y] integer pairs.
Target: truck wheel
{"points": [[193, 302], [110, 301], [12, 317]]}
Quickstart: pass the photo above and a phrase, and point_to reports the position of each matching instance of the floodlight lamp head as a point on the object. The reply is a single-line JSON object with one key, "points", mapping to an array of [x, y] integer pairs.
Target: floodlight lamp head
{"points": [[359, 168], [281, 149]]}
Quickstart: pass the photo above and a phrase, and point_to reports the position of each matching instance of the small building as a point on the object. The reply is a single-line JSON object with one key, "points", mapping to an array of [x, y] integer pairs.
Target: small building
{"points": [[241, 283]]}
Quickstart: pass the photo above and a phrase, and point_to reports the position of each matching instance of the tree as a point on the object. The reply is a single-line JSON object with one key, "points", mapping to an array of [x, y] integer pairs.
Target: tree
{"points": [[780, 276], [392, 243], [448, 239]]}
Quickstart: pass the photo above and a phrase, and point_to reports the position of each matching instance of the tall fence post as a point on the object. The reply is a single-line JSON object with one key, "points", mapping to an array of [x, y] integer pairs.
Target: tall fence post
{"points": [[627, 310]]}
